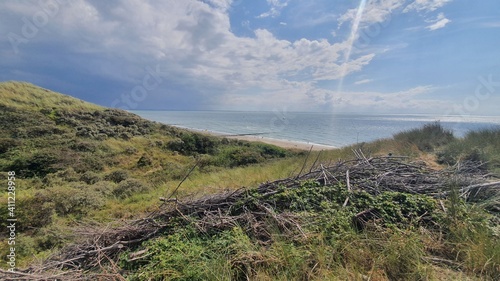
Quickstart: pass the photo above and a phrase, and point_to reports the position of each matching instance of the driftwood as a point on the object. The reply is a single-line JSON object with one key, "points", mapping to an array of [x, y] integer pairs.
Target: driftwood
{"points": [[231, 208]]}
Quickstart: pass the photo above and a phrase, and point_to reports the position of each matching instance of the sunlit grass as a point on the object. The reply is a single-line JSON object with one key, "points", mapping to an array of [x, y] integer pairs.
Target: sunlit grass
{"points": [[28, 96]]}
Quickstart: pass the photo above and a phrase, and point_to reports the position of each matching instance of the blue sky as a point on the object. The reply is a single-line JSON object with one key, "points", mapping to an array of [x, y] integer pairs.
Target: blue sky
{"points": [[369, 56]]}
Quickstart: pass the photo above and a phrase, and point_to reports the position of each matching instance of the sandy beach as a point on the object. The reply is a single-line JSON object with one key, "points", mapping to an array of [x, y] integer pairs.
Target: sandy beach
{"points": [[284, 143], [278, 142]]}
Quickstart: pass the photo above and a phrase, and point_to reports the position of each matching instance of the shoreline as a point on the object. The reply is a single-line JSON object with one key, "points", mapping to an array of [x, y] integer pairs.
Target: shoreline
{"points": [[287, 144]]}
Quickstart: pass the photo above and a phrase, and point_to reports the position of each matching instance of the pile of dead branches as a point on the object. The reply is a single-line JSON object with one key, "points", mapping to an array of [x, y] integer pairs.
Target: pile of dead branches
{"points": [[373, 175]]}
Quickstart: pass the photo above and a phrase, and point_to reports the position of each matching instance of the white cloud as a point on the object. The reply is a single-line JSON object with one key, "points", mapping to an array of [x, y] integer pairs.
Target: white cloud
{"points": [[193, 42], [425, 5], [375, 11], [363, 81], [306, 96], [276, 7], [410, 100], [491, 24], [221, 4], [199, 56], [416, 91], [440, 22]]}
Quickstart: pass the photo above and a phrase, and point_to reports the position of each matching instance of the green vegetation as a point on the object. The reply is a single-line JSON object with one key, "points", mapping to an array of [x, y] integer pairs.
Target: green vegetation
{"points": [[427, 138], [79, 165], [329, 246], [482, 145], [20, 95]]}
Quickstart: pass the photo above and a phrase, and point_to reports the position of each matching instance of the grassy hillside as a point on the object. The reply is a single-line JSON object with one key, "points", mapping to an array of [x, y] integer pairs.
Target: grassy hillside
{"points": [[74, 160], [20, 95], [89, 182]]}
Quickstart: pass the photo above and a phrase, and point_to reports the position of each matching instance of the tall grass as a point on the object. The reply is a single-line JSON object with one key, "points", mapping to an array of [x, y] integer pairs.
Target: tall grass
{"points": [[427, 138], [23, 95], [480, 146]]}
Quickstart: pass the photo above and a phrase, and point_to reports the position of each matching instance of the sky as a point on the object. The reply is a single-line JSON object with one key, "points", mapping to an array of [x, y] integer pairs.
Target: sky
{"points": [[368, 56]]}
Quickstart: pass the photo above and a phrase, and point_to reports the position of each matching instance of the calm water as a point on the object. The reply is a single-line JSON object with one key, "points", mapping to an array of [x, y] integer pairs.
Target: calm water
{"points": [[320, 128]]}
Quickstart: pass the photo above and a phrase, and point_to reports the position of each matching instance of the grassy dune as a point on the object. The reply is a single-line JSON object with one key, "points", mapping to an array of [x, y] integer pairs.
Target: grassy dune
{"points": [[80, 167], [21, 95]]}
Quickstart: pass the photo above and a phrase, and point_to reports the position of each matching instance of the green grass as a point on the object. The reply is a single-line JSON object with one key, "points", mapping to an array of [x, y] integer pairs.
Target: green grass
{"points": [[482, 145], [22, 95], [327, 247], [427, 138]]}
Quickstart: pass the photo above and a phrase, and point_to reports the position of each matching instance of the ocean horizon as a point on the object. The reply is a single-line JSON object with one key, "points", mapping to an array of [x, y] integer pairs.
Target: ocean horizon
{"points": [[331, 129]]}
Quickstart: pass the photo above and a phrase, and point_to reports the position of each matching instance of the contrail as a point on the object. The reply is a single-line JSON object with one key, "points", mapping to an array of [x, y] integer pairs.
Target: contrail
{"points": [[352, 37]]}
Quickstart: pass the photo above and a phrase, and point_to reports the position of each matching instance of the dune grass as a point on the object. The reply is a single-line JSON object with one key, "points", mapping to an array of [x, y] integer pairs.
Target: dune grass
{"points": [[26, 96], [481, 145], [427, 138]]}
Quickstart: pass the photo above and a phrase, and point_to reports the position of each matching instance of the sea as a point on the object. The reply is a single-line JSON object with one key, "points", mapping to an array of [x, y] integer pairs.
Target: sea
{"points": [[332, 129]]}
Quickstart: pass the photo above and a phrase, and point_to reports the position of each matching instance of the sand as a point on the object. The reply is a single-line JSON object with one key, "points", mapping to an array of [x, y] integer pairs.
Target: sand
{"points": [[284, 143]]}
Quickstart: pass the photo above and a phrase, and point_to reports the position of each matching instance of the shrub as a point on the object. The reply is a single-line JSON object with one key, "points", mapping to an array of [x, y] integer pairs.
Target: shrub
{"points": [[193, 143], [61, 177], [125, 135], [37, 164], [129, 187], [74, 200], [270, 151], [84, 146], [35, 212], [130, 150], [176, 145], [117, 176], [239, 156], [90, 177], [89, 162], [7, 144], [105, 188], [144, 161], [53, 236], [46, 130], [86, 132]]}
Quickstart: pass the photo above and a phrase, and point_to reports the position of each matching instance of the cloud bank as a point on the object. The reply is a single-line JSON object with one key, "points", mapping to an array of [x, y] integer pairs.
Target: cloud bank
{"points": [[186, 55]]}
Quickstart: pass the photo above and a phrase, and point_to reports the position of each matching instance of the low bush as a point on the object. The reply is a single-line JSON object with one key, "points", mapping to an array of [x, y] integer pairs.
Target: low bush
{"points": [[61, 177], [35, 211], [104, 188], [194, 143], [117, 176], [144, 161], [129, 187], [270, 151], [36, 164], [84, 146], [7, 143], [90, 177], [239, 156], [75, 200], [89, 162]]}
